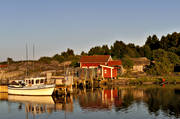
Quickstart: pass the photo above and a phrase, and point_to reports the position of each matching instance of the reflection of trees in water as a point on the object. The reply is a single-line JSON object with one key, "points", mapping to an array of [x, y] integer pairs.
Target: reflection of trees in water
{"points": [[92, 100], [163, 99], [152, 100], [127, 100], [155, 98]]}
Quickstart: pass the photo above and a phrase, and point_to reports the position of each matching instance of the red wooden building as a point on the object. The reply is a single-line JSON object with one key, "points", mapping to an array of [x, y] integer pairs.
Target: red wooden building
{"points": [[94, 61], [108, 67], [108, 72]]}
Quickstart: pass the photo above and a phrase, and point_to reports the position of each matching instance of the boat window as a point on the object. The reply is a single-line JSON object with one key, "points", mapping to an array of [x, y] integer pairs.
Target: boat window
{"points": [[29, 81], [32, 81], [42, 81], [37, 81]]}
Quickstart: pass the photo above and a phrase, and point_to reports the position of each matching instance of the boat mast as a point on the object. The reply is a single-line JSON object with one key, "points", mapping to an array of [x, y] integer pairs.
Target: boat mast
{"points": [[27, 60], [33, 56]]}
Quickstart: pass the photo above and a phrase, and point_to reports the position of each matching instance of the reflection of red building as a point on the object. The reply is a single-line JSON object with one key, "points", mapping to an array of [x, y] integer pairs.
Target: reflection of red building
{"points": [[111, 96], [93, 101], [108, 67]]}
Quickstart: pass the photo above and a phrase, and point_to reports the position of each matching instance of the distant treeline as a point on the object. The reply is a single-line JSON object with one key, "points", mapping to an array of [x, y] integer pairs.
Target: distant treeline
{"points": [[164, 52], [169, 43]]}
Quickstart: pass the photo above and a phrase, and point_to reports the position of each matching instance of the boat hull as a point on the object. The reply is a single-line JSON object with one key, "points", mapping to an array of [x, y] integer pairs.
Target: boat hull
{"points": [[43, 91]]}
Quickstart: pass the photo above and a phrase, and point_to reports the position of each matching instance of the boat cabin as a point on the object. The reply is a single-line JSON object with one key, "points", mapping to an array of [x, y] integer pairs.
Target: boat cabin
{"points": [[36, 81]]}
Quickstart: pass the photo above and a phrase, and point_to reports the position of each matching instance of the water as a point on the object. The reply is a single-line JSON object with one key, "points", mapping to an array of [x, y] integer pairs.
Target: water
{"points": [[132, 102]]}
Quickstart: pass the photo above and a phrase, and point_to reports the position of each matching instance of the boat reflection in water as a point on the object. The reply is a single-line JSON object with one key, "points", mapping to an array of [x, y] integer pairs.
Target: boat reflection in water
{"points": [[31, 99], [37, 105], [33, 104]]}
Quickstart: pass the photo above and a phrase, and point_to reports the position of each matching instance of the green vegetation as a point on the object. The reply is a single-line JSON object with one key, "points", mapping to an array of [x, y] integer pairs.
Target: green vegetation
{"points": [[164, 62], [10, 60], [46, 60], [64, 56], [127, 63], [164, 54]]}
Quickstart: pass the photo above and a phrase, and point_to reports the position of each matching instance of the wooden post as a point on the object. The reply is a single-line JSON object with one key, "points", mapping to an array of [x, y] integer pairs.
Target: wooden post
{"points": [[65, 91], [71, 89], [112, 95], [111, 73], [102, 73]]}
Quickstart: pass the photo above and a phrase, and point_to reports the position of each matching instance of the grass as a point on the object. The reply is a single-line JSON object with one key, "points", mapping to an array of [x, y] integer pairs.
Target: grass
{"points": [[156, 79]]}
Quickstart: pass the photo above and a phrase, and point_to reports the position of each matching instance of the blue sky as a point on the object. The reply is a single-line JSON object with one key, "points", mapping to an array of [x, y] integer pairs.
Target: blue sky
{"points": [[55, 25]]}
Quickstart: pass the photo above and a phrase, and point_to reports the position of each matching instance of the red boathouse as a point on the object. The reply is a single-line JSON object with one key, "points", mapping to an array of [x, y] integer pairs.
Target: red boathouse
{"points": [[104, 63]]}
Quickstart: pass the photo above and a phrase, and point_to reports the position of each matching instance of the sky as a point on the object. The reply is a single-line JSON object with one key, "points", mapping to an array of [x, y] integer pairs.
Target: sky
{"points": [[55, 25]]}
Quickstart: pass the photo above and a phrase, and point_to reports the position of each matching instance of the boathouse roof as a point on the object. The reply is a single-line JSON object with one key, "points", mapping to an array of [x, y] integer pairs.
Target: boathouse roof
{"points": [[141, 61], [115, 63], [95, 58]]}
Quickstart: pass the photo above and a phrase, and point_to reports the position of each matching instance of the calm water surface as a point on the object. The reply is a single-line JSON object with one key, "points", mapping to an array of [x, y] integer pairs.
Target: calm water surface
{"points": [[142, 102]]}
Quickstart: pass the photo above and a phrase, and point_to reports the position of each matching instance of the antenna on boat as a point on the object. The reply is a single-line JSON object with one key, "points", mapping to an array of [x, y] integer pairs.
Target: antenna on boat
{"points": [[33, 56], [27, 60]]}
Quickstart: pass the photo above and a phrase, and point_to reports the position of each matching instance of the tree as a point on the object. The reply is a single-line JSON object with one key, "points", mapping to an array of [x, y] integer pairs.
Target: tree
{"points": [[169, 41], [64, 54], [118, 50], [83, 53], [140, 51], [164, 62], [70, 52], [9, 60], [164, 43], [95, 51], [45, 60], [153, 42], [58, 58], [105, 50], [127, 62], [173, 58], [147, 52]]}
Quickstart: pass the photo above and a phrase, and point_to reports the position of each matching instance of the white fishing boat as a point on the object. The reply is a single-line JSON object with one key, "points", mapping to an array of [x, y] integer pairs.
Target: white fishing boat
{"points": [[32, 86]]}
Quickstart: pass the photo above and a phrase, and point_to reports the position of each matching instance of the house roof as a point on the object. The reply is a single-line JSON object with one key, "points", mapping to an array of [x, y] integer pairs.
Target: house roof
{"points": [[107, 66], [115, 63], [95, 58], [141, 61]]}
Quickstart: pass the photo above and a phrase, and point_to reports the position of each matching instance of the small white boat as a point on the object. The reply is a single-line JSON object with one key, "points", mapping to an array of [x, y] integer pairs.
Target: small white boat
{"points": [[33, 86]]}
